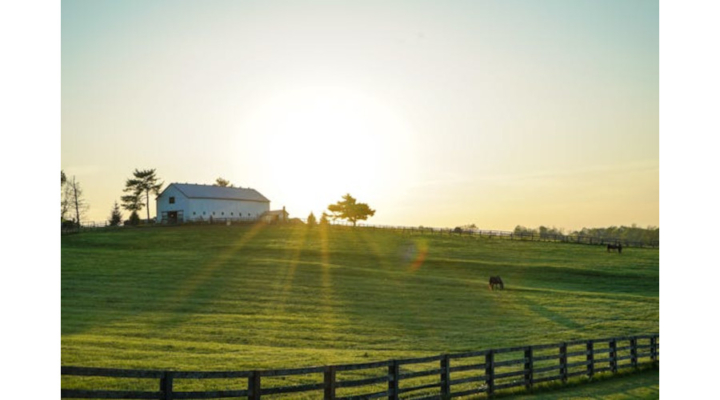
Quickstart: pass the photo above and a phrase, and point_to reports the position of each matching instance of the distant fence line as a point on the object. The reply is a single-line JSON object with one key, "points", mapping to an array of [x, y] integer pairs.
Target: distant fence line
{"points": [[538, 237], [420, 230], [435, 377]]}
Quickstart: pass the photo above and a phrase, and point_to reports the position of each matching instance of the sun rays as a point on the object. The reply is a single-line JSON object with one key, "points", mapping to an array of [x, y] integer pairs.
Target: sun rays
{"points": [[284, 284], [207, 271]]}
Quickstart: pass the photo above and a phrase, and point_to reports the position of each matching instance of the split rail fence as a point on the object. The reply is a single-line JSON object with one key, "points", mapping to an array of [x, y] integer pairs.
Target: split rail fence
{"points": [[436, 377]]}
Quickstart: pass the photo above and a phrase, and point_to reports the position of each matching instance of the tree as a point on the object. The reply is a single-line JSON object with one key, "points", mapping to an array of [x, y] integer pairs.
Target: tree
{"points": [[145, 182], [115, 215], [311, 220], [64, 196], [522, 231], [324, 219], [543, 230], [73, 200], [222, 182], [348, 208], [133, 203], [134, 219]]}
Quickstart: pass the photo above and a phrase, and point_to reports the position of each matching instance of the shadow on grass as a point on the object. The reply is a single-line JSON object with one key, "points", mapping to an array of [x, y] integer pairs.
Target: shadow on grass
{"points": [[641, 384], [551, 315]]}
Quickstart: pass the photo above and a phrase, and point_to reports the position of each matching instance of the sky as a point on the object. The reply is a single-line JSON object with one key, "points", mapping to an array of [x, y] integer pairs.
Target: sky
{"points": [[435, 113]]}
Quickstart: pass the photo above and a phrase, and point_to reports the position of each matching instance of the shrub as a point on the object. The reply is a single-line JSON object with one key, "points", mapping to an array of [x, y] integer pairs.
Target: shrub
{"points": [[134, 219]]}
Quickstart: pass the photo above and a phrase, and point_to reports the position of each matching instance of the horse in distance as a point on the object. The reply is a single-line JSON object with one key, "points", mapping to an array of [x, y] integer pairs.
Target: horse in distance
{"points": [[614, 247], [495, 282]]}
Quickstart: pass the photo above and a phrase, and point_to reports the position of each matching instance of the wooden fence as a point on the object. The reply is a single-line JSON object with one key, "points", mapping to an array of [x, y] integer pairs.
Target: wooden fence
{"points": [[435, 377]]}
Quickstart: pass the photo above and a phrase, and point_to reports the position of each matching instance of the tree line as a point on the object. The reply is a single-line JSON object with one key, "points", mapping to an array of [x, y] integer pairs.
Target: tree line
{"points": [[633, 233], [73, 205], [144, 182]]}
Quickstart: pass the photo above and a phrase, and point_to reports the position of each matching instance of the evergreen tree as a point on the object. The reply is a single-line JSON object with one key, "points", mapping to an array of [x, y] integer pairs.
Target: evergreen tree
{"points": [[144, 182], [134, 218], [132, 203], [311, 220], [324, 219], [115, 215]]}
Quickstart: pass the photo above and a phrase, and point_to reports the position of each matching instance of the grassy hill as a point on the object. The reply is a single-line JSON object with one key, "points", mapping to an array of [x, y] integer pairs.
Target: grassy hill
{"points": [[255, 297]]}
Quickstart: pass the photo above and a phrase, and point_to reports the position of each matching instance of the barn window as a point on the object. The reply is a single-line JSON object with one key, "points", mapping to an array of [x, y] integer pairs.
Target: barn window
{"points": [[222, 213], [172, 200], [203, 212], [193, 212], [213, 212], [231, 213]]}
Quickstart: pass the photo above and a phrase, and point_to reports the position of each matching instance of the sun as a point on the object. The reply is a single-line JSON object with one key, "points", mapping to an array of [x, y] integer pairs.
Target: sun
{"points": [[318, 143]]}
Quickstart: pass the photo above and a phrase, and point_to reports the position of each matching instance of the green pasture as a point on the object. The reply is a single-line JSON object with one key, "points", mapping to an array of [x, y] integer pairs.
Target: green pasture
{"points": [[261, 297], [643, 385]]}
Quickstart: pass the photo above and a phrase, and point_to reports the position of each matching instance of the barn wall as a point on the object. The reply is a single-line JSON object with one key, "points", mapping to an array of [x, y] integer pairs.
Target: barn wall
{"points": [[163, 202], [216, 208]]}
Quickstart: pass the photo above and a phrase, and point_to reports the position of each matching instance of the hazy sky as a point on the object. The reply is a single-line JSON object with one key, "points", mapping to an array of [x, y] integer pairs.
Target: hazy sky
{"points": [[436, 113]]}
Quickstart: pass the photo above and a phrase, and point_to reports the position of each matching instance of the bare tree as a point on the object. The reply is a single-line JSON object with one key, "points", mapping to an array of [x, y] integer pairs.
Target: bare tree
{"points": [[64, 196], [73, 200]]}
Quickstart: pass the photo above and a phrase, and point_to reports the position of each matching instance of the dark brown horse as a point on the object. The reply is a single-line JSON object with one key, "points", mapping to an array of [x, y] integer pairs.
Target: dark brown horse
{"points": [[612, 247], [496, 281]]}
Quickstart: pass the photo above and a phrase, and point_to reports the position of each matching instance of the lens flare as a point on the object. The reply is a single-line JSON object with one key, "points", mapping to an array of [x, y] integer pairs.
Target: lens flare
{"points": [[415, 253]]}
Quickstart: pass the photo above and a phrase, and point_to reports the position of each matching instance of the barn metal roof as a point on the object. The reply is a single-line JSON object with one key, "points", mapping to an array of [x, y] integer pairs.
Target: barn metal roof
{"points": [[194, 191]]}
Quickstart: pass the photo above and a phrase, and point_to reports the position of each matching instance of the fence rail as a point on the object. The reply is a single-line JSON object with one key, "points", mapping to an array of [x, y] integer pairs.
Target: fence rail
{"points": [[435, 377]]}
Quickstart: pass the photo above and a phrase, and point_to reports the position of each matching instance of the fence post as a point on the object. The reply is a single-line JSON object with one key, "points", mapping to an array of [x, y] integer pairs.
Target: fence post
{"points": [[633, 352], [590, 359], [490, 372], [653, 349], [563, 362], [445, 376], [254, 386], [613, 355], [394, 382], [528, 367], [329, 382], [166, 385]]}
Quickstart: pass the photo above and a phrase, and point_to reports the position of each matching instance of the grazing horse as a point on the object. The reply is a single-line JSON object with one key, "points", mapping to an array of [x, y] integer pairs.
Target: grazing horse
{"points": [[617, 247], [496, 281]]}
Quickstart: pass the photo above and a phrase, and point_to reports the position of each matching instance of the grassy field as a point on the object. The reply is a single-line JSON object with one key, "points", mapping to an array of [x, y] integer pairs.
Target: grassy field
{"points": [[256, 297], [644, 385]]}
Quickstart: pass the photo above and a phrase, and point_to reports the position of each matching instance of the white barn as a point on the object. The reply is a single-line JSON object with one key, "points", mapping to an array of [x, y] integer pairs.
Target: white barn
{"points": [[182, 202]]}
